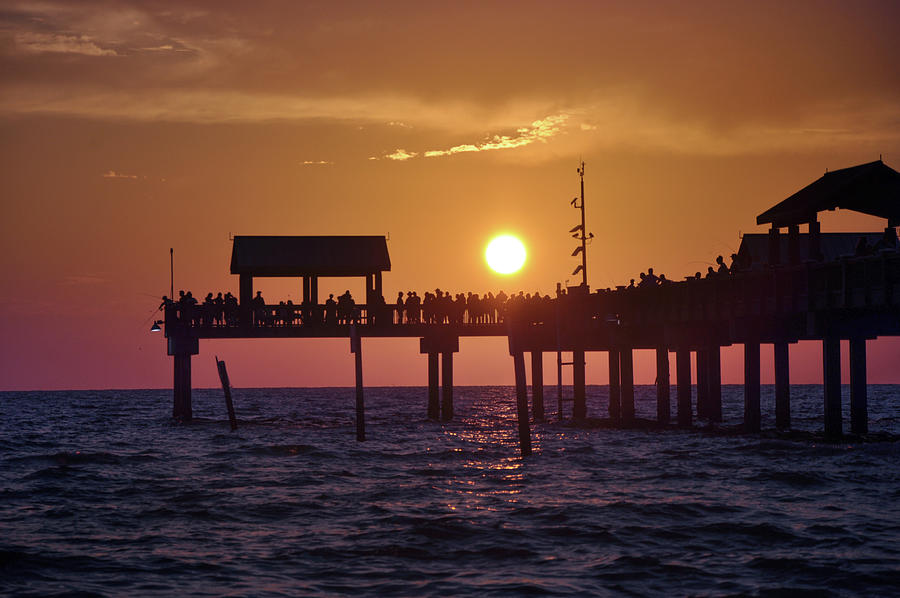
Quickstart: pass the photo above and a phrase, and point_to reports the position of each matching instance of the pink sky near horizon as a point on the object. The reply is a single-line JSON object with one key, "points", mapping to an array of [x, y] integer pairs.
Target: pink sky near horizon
{"points": [[127, 128]]}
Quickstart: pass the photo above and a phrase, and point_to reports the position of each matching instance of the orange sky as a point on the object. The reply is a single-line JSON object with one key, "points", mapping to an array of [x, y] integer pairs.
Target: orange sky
{"points": [[127, 128]]}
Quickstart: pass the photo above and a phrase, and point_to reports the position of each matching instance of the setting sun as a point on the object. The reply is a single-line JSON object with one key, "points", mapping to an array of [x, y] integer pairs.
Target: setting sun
{"points": [[505, 254]]}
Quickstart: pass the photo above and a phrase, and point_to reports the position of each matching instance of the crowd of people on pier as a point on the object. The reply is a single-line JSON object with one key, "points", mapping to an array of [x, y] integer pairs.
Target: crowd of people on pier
{"points": [[437, 307]]}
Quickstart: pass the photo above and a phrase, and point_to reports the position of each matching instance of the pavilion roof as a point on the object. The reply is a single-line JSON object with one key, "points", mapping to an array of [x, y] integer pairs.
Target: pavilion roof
{"points": [[309, 256], [872, 188]]}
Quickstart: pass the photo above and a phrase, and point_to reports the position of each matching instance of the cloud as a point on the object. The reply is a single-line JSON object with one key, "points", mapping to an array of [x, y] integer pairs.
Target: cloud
{"points": [[540, 130], [316, 162], [30, 42], [401, 155], [112, 174]]}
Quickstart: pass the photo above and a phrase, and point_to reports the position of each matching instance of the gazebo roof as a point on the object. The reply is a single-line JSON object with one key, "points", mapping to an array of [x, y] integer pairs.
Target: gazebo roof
{"points": [[309, 256], [872, 188]]}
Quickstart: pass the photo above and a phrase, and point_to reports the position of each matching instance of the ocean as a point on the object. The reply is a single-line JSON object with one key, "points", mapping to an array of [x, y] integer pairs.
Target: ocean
{"points": [[102, 494]]}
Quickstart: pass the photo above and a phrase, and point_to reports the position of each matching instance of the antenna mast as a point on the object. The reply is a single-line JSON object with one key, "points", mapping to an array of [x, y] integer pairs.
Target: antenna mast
{"points": [[580, 232]]}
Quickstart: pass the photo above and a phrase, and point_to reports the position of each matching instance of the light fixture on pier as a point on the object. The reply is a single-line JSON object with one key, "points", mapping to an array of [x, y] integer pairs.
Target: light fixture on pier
{"points": [[155, 327]]}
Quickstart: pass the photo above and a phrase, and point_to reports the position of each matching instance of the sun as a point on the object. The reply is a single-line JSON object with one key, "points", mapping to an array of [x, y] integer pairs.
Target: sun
{"points": [[505, 254]]}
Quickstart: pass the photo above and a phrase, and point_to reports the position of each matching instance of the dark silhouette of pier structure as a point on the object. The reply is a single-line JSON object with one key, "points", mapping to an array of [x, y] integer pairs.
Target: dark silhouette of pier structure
{"points": [[796, 286]]}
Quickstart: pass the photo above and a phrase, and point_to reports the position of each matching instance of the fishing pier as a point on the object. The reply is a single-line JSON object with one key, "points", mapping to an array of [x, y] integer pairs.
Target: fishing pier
{"points": [[795, 286]]}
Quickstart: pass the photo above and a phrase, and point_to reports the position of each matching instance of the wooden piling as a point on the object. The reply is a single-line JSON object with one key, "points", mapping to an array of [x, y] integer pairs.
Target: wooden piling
{"points": [[447, 386], [537, 385], [782, 386], [683, 386], [859, 410], [752, 413], [181, 404], [522, 403], [703, 383], [434, 405], [579, 407], [356, 348], [226, 388], [663, 400], [615, 393], [831, 369], [714, 385], [626, 371]]}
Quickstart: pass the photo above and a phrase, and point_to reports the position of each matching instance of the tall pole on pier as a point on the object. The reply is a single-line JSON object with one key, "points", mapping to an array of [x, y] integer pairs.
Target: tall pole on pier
{"points": [[580, 233]]}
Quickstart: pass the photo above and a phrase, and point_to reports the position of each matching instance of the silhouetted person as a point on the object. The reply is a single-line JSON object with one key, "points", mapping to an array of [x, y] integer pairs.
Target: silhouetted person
{"points": [[219, 309], [400, 307], [259, 309], [710, 272], [722, 269], [331, 309], [652, 280]]}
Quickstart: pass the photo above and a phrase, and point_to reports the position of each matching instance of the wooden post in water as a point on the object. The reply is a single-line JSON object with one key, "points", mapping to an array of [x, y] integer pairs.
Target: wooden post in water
{"points": [[181, 348], [782, 386], [447, 383], [537, 385], [615, 389], [752, 414], [356, 348], [434, 405], [626, 371], [859, 410], [522, 403], [714, 399], [226, 388], [663, 407], [683, 386], [579, 408], [703, 383], [831, 358]]}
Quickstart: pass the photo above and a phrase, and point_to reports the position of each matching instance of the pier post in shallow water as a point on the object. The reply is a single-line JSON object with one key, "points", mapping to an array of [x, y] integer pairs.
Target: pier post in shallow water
{"points": [[615, 391], [683, 385], [579, 407], [447, 386], [356, 349], [714, 383], [859, 410], [703, 383], [434, 405], [522, 403], [626, 371], [831, 370], [181, 349], [782, 386], [752, 413], [663, 393], [537, 385]]}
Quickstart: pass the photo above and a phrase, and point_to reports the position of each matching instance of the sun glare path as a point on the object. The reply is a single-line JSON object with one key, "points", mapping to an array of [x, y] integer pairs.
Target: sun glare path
{"points": [[505, 254]]}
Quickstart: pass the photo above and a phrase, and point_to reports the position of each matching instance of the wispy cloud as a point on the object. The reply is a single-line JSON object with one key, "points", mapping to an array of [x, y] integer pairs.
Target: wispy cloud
{"points": [[31, 42], [540, 130], [112, 174], [316, 162]]}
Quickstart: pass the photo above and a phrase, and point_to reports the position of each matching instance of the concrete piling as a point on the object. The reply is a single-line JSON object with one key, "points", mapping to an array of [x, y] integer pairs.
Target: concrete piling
{"points": [[859, 410], [752, 414], [615, 393], [537, 385], [831, 367], [626, 371], [663, 401], [579, 408], [522, 403], [782, 386], [683, 386]]}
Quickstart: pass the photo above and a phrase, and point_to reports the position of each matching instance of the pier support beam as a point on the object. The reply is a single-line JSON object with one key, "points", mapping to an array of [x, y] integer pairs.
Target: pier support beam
{"points": [[663, 407], [615, 390], [703, 384], [446, 346], [714, 383], [626, 370], [752, 414], [683, 386], [579, 408], [356, 349], [537, 385], [831, 369], [434, 404], [180, 349], [859, 410], [447, 386], [782, 386], [522, 403]]}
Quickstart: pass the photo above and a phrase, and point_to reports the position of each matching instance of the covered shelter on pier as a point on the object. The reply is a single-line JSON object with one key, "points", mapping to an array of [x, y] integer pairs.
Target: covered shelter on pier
{"points": [[309, 258], [872, 188]]}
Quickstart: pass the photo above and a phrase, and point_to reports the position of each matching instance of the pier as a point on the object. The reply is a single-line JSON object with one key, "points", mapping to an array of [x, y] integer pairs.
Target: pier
{"points": [[794, 287]]}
